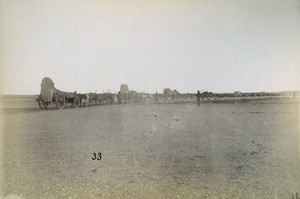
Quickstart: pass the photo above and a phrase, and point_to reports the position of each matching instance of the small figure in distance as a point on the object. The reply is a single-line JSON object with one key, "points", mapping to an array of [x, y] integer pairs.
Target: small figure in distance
{"points": [[119, 96], [198, 95]]}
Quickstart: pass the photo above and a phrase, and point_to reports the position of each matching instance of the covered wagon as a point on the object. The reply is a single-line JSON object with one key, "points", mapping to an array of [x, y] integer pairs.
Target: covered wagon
{"points": [[49, 94]]}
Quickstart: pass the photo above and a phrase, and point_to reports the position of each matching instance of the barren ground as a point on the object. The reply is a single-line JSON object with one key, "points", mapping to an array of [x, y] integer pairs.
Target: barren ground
{"points": [[217, 150]]}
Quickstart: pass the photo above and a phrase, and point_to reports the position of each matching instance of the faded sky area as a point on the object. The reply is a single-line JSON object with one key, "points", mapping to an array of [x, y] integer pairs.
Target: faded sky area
{"points": [[221, 46]]}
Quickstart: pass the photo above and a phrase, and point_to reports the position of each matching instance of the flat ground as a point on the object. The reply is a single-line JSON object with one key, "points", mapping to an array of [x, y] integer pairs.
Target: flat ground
{"points": [[217, 150]]}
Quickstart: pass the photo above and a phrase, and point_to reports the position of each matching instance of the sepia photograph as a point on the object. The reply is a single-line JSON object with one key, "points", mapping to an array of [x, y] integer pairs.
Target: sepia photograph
{"points": [[149, 99]]}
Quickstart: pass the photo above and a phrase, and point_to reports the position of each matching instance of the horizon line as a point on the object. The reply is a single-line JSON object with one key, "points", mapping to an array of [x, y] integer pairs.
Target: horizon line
{"points": [[179, 92]]}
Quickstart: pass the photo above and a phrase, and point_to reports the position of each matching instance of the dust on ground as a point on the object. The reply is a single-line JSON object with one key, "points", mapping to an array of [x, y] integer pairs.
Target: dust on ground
{"points": [[233, 150]]}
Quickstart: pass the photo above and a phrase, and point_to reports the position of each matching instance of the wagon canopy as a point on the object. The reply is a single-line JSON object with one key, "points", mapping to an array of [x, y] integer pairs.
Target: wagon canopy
{"points": [[47, 89], [167, 91], [124, 88]]}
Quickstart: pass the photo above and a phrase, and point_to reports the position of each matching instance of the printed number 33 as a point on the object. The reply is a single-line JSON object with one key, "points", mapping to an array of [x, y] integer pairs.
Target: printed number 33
{"points": [[295, 196], [97, 157]]}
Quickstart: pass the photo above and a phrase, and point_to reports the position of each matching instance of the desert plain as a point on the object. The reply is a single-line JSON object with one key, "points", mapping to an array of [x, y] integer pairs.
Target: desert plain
{"points": [[218, 150]]}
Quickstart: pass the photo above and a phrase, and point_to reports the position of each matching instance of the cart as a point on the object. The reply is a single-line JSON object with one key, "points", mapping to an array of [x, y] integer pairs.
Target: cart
{"points": [[49, 94], [60, 99]]}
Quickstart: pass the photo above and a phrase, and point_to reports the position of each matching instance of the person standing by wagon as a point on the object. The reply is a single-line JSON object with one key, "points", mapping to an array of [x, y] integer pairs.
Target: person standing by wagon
{"points": [[119, 96], [198, 95]]}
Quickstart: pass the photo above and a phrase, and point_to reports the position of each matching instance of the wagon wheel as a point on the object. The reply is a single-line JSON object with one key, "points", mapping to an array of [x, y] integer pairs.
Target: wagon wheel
{"points": [[42, 104], [76, 102], [60, 101]]}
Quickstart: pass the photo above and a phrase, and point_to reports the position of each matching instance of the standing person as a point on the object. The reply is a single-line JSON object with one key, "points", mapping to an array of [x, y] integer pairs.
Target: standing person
{"points": [[198, 95], [119, 96]]}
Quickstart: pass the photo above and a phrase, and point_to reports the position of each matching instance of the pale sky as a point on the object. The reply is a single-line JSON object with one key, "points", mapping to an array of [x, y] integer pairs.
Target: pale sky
{"points": [[221, 46]]}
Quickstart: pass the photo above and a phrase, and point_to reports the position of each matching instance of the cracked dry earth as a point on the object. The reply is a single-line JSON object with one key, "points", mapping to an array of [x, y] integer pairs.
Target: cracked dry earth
{"points": [[234, 150]]}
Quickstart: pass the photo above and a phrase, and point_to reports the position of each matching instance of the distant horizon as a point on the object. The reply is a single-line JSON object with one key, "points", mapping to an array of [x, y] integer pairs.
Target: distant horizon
{"points": [[284, 91]]}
